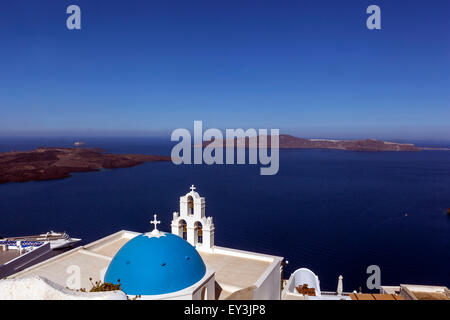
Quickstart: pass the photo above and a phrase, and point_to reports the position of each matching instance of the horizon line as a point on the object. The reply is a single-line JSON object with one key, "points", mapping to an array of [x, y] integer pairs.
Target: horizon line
{"points": [[143, 134]]}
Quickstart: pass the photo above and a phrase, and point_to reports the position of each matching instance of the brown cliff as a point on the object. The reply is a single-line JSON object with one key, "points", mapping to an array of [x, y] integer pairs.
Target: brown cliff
{"points": [[291, 142], [58, 163]]}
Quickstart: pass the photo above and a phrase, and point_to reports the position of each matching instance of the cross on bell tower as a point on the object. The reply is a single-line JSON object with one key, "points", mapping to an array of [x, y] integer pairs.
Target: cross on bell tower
{"points": [[193, 188]]}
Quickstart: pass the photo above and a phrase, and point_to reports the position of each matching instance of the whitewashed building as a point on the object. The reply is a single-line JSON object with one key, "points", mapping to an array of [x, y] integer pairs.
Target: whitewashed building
{"points": [[184, 264]]}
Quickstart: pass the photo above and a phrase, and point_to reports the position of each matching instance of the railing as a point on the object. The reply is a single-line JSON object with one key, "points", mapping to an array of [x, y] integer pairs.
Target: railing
{"points": [[22, 243], [333, 293]]}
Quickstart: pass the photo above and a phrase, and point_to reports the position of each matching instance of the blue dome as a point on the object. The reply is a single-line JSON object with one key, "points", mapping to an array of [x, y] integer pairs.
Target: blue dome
{"points": [[155, 265]]}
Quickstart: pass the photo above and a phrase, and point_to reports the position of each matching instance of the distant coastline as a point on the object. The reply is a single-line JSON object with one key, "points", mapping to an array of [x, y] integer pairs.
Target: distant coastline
{"points": [[365, 145], [58, 163]]}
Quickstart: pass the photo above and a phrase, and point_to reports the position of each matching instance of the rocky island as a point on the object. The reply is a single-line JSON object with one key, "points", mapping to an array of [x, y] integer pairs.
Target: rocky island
{"points": [[58, 163], [291, 142], [367, 145]]}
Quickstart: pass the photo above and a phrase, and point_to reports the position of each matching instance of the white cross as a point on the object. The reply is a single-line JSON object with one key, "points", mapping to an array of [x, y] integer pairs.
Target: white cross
{"points": [[155, 222], [193, 188]]}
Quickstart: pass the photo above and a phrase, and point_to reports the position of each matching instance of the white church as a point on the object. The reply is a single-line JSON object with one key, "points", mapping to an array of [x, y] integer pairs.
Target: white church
{"points": [[183, 264]]}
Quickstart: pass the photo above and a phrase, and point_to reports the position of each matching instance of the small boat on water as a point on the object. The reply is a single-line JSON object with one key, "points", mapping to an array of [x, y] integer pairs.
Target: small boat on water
{"points": [[57, 240]]}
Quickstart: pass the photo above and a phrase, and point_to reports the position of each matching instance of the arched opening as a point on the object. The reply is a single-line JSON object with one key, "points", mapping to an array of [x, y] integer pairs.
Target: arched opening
{"points": [[190, 205], [183, 226], [198, 228]]}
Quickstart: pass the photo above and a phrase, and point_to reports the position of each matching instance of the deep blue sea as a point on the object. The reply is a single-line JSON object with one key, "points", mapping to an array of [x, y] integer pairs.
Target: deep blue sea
{"points": [[335, 212]]}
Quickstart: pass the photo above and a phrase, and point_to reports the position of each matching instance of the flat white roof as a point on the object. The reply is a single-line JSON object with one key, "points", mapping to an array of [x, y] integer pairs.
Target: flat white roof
{"points": [[234, 269], [92, 261], [237, 269]]}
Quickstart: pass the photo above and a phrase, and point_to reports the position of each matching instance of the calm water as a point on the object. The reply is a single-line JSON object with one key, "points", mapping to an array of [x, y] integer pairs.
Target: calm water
{"points": [[334, 212]]}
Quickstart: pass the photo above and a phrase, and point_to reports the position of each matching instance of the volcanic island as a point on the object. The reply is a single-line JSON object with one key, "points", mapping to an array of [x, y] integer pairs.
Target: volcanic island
{"points": [[290, 142], [58, 163]]}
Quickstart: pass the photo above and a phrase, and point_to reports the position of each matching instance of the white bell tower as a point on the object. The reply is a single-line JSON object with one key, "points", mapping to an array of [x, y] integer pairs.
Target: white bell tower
{"points": [[191, 223]]}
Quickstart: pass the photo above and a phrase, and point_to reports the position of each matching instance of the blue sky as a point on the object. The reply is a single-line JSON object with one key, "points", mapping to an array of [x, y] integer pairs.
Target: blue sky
{"points": [[310, 68]]}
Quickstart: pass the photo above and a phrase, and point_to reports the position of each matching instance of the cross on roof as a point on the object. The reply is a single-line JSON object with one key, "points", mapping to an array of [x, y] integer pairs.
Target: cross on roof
{"points": [[155, 222], [193, 188]]}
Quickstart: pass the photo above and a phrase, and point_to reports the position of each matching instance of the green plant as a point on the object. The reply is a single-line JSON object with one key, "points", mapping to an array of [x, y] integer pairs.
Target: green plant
{"points": [[99, 286]]}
